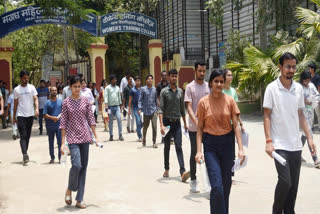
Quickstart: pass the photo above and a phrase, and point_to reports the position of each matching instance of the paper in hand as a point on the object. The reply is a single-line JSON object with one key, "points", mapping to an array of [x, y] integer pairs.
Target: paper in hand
{"points": [[125, 109], [141, 117], [109, 111], [280, 159], [245, 139], [93, 107], [185, 132], [237, 165]]}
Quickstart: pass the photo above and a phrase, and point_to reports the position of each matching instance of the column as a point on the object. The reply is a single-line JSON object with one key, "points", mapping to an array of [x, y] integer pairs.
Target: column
{"points": [[155, 59]]}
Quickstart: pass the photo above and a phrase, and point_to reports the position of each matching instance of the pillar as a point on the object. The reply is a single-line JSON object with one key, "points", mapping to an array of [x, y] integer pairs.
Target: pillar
{"points": [[6, 51], [97, 53], [155, 59]]}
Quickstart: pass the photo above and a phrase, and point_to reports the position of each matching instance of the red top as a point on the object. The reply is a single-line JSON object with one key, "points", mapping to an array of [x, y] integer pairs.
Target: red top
{"points": [[76, 118]]}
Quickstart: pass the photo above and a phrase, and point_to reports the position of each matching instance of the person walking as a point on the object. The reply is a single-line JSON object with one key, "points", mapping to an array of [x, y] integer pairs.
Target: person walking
{"points": [[10, 109], [215, 113], [43, 96], [171, 109], [148, 107], [112, 100], [1, 104], [195, 90], [283, 113], [161, 85], [133, 105], [52, 113], [123, 85], [3, 99], [105, 115], [86, 92], [5, 118], [125, 101], [25, 98], [67, 90], [310, 95], [75, 123]]}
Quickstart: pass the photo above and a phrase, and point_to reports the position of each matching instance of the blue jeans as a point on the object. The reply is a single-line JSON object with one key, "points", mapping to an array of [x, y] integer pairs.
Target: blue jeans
{"points": [[52, 131], [115, 111], [78, 171], [40, 120], [219, 157], [175, 131], [138, 122]]}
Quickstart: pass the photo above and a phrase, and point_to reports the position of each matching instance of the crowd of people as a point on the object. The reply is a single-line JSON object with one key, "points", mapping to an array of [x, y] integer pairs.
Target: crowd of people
{"points": [[214, 122]]}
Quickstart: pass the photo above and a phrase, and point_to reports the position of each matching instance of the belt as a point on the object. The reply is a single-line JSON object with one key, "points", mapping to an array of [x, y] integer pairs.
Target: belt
{"points": [[172, 120]]}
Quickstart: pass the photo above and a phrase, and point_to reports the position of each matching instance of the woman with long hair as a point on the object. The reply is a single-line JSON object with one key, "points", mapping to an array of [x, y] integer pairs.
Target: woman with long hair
{"points": [[310, 92], [105, 115], [76, 120], [217, 116]]}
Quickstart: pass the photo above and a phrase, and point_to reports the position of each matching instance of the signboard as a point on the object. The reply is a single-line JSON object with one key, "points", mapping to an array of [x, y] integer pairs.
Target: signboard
{"points": [[128, 22], [222, 56], [33, 15]]}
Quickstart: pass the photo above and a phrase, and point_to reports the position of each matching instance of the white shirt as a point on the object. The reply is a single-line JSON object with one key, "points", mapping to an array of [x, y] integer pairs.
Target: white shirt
{"points": [[66, 92], [25, 100], [11, 102], [86, 92], [124, 83], [284, 104], [7, 98]]}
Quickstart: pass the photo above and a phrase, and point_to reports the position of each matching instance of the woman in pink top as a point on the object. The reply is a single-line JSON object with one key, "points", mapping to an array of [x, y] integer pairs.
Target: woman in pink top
{"points": [[76, 120]]}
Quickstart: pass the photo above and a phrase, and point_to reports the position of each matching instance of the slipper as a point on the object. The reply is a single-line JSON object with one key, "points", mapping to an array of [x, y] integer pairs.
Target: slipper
{"points": [[81, 205], [68, 199]]}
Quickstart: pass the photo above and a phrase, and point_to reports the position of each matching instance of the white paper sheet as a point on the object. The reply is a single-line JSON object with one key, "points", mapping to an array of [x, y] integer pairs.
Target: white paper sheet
{"points": [[245, 139], [205, 178], [125, 109], [141, 117], [167, 129], [109, 111], [93, 107], [185, 132], [237, 165], [280, 159]]}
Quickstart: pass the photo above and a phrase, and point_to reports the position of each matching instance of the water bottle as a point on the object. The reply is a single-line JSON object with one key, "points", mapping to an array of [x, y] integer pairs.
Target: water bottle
{"points": [[205, 177], [166, 131], [63, 159]]}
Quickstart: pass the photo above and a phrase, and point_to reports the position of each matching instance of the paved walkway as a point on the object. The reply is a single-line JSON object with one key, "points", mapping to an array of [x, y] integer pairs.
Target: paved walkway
{"points": [[124, 178]]}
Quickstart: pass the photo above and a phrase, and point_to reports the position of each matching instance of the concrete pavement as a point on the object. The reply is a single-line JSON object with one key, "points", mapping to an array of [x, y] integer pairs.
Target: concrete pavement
{"points": [[125, 178]]}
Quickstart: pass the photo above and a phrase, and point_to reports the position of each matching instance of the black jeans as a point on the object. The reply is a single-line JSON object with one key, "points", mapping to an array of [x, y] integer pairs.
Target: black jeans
{"points": [[25, 127], [175, 130], [288, 182], [193, 164]]}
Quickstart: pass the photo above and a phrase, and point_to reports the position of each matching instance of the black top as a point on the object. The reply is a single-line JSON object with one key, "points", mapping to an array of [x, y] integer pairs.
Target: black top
{"points": [[316, 80], [161, 86]]}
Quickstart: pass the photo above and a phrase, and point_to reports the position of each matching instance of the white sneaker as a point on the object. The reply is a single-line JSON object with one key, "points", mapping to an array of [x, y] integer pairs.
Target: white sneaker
{"points": [[193, 186]]}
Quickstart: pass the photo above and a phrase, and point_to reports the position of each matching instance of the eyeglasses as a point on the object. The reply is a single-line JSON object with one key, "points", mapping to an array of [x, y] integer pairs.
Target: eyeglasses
{"points": [[290, 67]]}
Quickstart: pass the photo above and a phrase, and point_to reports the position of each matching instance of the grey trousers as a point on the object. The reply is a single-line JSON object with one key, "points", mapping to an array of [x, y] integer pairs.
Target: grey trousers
{"points": [[146, 122], [78, 171]]}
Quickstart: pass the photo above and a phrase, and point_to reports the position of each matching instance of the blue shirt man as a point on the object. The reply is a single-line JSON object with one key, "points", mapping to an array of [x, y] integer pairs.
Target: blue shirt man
{"points": [[43, 96], [51, 112], [148, 105], [134, 103], [135, 94]]}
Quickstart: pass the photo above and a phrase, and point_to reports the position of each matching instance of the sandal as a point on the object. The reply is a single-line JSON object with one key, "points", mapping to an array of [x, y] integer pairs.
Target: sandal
{"points": [[81, 205], [317, 164], [166, 174], [68, 199]]}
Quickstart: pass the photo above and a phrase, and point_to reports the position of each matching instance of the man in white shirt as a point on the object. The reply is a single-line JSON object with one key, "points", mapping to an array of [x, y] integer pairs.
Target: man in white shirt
{"points": [[25, 97], [66, 90], [10, 109], [283, 112]]}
